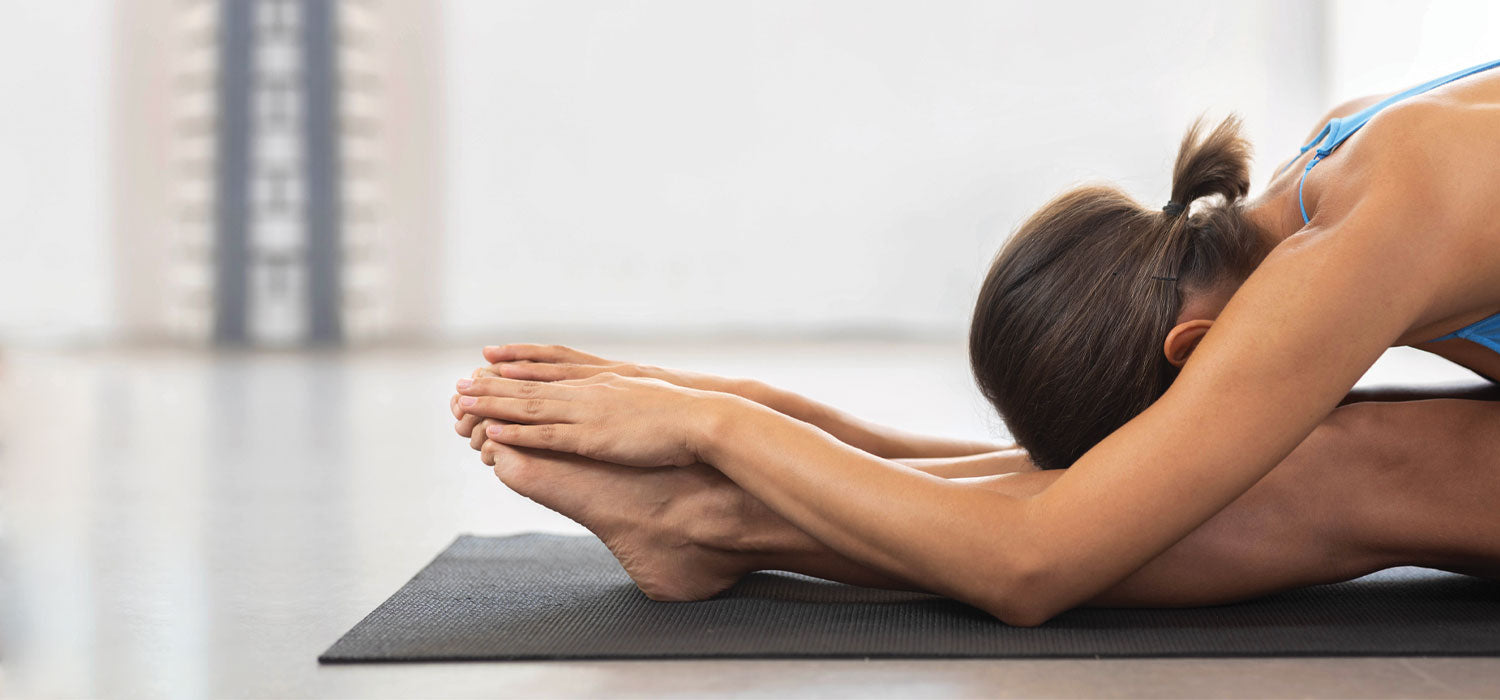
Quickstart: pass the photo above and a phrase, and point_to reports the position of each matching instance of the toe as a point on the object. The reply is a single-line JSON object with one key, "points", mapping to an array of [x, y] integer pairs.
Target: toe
{"points": [[513, 467]]}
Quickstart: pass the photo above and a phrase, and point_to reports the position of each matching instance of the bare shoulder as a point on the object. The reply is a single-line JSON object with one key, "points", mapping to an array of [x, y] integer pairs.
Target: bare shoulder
{"points": [[1413, 199], [1345, 109], [1435, 165]]}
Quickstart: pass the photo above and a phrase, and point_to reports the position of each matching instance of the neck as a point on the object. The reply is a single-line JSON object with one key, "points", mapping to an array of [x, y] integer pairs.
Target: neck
{"points": [[1274, 215]]}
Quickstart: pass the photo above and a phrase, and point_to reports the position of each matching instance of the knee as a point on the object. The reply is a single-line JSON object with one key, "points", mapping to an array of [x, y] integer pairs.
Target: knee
{"points": [[1370, 438], [1371, 471]]}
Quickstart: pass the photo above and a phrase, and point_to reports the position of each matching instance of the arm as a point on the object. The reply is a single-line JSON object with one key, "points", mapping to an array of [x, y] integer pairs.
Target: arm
{"points": [[1142, 489], [879, 440], [1241, 404], [556, 363], [1000, 462], [1403, 475]]}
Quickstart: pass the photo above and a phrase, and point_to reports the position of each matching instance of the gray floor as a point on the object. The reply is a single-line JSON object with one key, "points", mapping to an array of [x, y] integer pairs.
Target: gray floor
{"points": [[177, 524]]}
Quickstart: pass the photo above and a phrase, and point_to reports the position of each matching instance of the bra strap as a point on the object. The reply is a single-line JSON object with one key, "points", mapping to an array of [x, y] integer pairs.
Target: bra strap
{"points": [[1300, 205]]}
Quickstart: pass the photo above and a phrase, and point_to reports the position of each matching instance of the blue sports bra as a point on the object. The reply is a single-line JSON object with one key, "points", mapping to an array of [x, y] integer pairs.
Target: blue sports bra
{"points": [[1339, 129]]}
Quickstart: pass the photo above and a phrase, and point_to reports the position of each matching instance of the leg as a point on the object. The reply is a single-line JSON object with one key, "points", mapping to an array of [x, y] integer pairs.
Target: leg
{"points": [[1377, 485]]}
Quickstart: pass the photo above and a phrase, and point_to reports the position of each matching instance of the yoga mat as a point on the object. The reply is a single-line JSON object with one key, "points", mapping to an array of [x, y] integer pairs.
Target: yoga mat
{"points": [[555, 597]]}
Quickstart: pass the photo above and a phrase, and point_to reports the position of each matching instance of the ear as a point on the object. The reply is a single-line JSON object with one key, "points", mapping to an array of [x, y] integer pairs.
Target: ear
{"points": [[1183, 338]]}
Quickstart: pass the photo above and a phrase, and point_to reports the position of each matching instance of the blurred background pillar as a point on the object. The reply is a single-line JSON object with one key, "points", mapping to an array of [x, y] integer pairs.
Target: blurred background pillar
{"points": [[276, 171], [232, 174], [320, 171]]}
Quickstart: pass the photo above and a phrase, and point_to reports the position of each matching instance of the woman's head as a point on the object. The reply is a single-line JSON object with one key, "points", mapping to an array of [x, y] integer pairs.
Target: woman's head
{"points": [[1068, 332]]}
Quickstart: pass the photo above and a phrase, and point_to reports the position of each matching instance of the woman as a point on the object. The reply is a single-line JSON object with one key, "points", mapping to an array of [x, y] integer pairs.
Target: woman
{"points": [[1092, 339]]}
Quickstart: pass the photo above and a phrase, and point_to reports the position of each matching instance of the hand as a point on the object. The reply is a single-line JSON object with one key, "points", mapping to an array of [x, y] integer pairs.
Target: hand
{"points": [[541, 363], [625, 420], [550, 363], [471, 426]]}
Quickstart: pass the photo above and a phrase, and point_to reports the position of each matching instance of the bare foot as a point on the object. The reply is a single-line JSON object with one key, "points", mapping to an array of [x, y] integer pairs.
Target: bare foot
{"points": [[674, 529]]}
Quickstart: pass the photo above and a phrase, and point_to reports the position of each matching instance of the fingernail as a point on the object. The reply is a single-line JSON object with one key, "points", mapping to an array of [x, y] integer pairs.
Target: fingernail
{"points": [[491, 348], [492, 431], [467, 401], [465, 383]]}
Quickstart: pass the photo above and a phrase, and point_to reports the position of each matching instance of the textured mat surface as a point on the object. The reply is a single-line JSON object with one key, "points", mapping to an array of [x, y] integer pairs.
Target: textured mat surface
{"points": [[555, 597]]}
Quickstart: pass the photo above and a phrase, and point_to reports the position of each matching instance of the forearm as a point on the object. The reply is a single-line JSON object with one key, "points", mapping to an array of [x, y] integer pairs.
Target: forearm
{"points": [[770, 541], [903, 523], [986, 464], [878, 440], [764, 540]]}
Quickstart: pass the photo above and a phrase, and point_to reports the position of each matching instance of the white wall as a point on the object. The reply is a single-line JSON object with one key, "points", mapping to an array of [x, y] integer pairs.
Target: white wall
{"points": [[54, 252], [816, 167], [1384, 45], [785, 167]]}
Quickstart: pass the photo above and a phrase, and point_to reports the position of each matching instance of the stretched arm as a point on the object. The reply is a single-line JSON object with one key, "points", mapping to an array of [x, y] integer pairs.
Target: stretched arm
{"points": [[1005, 461], [556, 362], [1374, 486], [1242, 403]]}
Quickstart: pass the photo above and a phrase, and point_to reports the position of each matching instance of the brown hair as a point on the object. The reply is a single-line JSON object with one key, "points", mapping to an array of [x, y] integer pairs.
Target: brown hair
{"points": [[1067, 336]]}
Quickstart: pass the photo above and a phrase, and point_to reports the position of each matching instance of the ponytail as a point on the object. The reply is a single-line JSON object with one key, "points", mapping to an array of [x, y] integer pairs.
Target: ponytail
{"points": [[1218, 164]]}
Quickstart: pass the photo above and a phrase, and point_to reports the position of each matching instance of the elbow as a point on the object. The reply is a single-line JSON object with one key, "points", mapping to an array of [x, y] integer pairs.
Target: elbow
{"points": [[1024, 617], [1026, 595], [1015, 612], [1022, 610]]}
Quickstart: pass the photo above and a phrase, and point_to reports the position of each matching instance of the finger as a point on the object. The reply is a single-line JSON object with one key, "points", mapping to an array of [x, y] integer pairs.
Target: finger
{"points": [[538, 353], [600, 378], [477, 437], [514, 388], [531, 410], [549, 436], [546, 371], [453, 406], [465, 425]]}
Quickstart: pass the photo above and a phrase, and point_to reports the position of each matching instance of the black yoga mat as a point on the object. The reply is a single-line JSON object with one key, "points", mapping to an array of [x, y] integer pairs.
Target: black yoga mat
{"points": [[554, 597]]}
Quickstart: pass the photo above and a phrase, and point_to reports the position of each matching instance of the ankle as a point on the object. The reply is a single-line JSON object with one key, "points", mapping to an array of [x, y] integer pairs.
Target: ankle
{"points": [[724, 518]]}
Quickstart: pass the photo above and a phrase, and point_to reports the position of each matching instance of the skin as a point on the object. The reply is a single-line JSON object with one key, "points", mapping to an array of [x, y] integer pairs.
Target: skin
{"points": [[1399, 250], [1361, 494]]}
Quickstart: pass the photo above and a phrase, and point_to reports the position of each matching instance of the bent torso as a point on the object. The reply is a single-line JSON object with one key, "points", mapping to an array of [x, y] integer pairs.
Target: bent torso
{"points": [[1439, 152]]}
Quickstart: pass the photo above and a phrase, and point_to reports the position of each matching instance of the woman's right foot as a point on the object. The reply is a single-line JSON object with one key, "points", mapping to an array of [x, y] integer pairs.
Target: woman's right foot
{"points": [[673, 529]]}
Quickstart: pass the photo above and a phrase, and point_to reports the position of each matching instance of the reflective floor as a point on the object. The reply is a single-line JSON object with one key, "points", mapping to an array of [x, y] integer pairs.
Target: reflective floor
{"points": [[178, 524]]}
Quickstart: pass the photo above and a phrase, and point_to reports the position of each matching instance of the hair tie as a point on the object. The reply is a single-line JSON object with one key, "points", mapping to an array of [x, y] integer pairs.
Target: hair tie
{"points": [[1173, 208]]}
